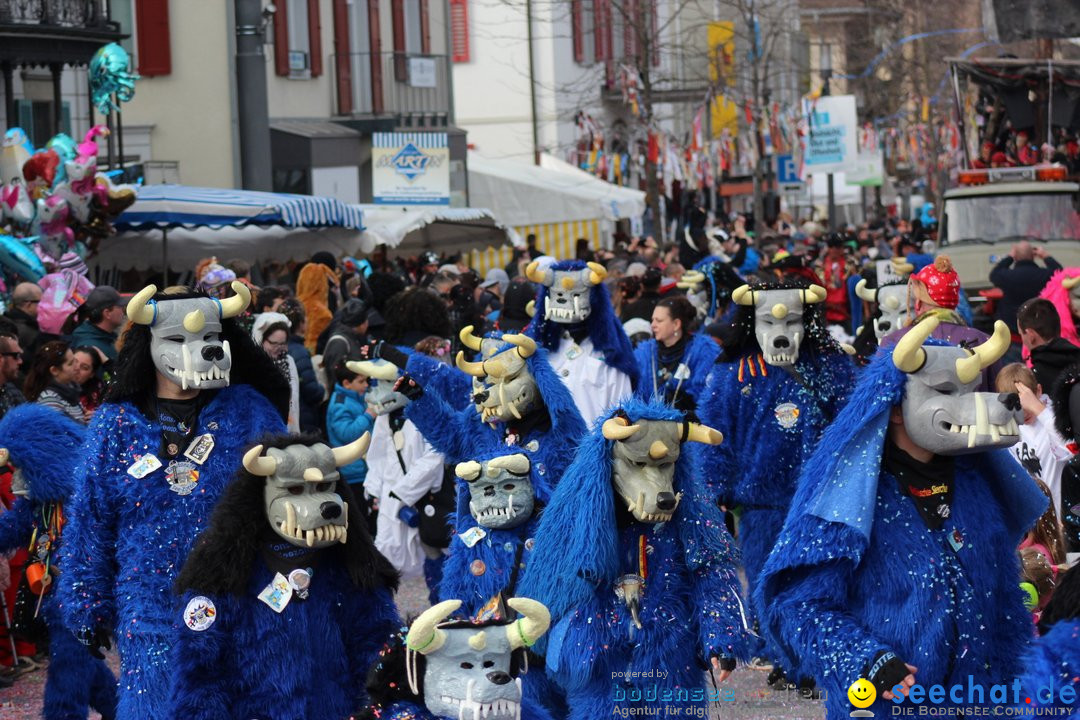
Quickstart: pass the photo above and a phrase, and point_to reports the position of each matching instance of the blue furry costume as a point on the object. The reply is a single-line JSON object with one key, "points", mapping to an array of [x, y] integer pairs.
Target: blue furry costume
{"points": [[700, 356], [689, 610], [875, 577], [310, 660], [43, 444], [1054, 661], [771, 423], [127, 537], [579, 350], [455, 431]]}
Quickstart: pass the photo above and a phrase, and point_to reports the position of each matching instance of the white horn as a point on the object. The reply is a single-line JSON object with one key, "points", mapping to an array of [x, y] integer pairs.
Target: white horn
{"points": [[139, 308], [258, 464], [423, 636], [352, 452], [525, 631]]}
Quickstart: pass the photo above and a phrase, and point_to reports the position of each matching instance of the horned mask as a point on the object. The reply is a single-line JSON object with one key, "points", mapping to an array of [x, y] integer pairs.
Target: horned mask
{"points": [[300, 499], [500, 490], [568, 290], [942, 411], [503, 387], [381, 396], [891, 301], [644, 455], [185, 335], [468, 668], [778, 319]]}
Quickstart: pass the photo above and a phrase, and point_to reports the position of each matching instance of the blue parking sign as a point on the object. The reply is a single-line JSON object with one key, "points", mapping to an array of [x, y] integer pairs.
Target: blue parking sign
{"points": [[786, 171]]}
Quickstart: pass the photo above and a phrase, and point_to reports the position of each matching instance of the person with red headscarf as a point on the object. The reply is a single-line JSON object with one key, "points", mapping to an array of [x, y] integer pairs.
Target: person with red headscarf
{"points": [[935, 290]]}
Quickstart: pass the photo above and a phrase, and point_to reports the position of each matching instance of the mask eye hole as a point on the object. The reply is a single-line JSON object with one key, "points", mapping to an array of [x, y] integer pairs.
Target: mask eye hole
{"points": [[508, 486], [640, 463], [176, 338], [489, 663], [466, 666], [296, 489], [210, 337], [324, 487], [666, 465]]}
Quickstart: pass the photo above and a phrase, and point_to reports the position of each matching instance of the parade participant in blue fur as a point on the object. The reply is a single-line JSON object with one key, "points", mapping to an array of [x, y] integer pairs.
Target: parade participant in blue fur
{"points": [[784, 380], [709, 286], [285, 600], [518, 400], [576, 323], [1054, 659], [43, 445], [637, 568], [443, 669], [897, 562], [190, 392], [676, 363]]}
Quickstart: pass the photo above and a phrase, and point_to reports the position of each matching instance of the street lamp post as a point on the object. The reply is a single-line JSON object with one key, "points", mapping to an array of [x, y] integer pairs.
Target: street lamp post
{"points": [[826, 76]]}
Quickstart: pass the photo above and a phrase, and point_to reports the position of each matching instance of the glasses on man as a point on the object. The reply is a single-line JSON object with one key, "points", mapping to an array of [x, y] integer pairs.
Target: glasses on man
{"points": [[11, 354], [276, 345]]}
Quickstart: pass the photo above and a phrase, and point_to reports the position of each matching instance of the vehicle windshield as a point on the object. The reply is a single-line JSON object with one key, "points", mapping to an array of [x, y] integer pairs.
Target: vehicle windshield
{"points": [[990, 218]]}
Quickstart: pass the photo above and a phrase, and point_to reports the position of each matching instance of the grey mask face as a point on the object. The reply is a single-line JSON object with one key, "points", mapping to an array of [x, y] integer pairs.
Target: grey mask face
{"points": [[500, 490], [186, 345], [942, 411], [778, 325], [892, 301], [644, 470], [383, 398], [300, 499], [503, 387], [469, 676], [568, 296]]}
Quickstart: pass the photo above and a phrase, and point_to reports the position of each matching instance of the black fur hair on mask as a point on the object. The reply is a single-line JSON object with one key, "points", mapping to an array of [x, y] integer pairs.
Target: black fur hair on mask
{"points": [[739, 336]]}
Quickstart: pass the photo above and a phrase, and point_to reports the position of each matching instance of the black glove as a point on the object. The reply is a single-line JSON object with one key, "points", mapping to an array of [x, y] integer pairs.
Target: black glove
{"points": [[386, 351], [95, 640], [886, 671], [407, 386], [726, 663]]}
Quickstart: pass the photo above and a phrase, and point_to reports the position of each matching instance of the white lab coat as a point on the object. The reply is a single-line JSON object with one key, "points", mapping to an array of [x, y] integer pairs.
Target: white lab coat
{"points": [[1042, 442], [594, 385], [394, 539]]}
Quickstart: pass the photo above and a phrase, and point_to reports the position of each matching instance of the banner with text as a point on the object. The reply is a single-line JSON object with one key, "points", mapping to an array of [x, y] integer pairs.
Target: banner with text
{"points": [[410, 169], [831, 145]]}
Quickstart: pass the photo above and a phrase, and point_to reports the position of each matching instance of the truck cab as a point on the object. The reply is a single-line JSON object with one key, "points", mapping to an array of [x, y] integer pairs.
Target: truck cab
{"points": [[993, 209]]}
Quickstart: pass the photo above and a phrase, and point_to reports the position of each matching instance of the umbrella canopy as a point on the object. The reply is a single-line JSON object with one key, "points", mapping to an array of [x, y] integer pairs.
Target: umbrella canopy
{"points": [[175, 206], [450, 230]]}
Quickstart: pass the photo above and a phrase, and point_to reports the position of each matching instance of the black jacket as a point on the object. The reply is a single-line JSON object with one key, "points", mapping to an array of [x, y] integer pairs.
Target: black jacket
{"points": [[311, 391], [1050, 359], [1019, 283]]}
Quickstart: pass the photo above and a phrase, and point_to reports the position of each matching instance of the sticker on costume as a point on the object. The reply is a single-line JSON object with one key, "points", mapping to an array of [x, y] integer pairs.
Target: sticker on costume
{"points": [[145, 465], [574, 351], [200, 613], [787, 414], [491, 610], [200, 448], [278, 593], [532, 445], [472, 536], [182, 477], [956, 539]]}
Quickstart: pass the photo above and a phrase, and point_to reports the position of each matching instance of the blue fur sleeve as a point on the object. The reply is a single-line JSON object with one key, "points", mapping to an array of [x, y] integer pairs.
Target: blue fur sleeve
{"points": [[644, 358], [201, 666], [804, 593], [16, 525], [368, 621], [88, 553], [441, 425], [445, 381], [717, 408], [1053, 661]]}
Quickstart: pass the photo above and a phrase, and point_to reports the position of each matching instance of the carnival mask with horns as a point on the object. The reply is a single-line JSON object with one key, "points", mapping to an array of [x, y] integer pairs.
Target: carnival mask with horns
{"points": [[468, 668], [185, 335], [778, 319], [500, 490], [568, 290], [891, 301], [381, 396], [942, 411], [1072, 285], [300, 499], [644, 455], [503, 387]]}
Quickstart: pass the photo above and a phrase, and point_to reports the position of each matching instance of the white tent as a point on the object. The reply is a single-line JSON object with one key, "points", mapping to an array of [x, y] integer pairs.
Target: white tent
{"points": [[410, 230]]}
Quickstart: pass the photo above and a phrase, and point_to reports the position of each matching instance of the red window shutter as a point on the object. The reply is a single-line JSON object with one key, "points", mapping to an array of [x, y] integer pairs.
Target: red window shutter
{"points": [[397, 11], [425, 28], [630, 29], [314, 37], [375, 42], [575, 30], [343, 57], [459, 30], [602, 29], [152, 43], [281, 39]]}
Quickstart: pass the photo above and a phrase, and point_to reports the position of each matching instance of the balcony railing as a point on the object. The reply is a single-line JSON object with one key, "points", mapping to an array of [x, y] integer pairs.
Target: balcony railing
{"points": [[399, 84], [56, 13]]}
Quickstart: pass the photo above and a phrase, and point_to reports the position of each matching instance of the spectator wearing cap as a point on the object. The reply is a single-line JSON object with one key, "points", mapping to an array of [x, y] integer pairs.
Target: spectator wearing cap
{"points": [[103, 316], [936, 292], [490, 293], [23, 311], [643, 306], [348, 333]]}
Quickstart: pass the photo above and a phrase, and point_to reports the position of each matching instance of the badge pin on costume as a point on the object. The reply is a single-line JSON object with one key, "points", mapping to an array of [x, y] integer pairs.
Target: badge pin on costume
{"points": [[182, 477], [278, 593], [200, 448], [787, 414], [200, 613], [144, 465]]}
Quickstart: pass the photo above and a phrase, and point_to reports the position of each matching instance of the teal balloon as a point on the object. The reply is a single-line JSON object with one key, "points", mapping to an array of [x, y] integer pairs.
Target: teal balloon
{"points": [[17, 256], [109, 76]]}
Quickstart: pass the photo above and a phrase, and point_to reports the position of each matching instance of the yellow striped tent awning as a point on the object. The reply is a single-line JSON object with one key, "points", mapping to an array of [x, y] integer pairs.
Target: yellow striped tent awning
{"points": [[556, 239]]}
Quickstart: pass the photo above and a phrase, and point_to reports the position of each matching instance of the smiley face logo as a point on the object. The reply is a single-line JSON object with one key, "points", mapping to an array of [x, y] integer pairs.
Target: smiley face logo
{"points": [[862, 694]]}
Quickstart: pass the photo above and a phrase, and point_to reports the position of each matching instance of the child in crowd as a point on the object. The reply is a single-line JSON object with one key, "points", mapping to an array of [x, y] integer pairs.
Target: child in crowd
{"points": [[347, 418], [1041, 449]]}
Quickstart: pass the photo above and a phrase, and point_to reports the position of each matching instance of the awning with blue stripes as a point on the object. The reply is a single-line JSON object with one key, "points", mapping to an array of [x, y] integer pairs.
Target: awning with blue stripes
{"points": [[172, 206]]}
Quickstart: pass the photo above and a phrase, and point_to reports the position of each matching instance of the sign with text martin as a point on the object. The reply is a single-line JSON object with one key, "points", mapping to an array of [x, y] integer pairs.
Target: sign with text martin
{"points": [[410, 169], [830, 136]]}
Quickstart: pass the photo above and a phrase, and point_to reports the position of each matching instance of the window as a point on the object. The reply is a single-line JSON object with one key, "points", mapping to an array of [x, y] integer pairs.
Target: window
{"points": [[297, 39], [583, 29], [152, 41], [414, 38], [36, 118]]}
